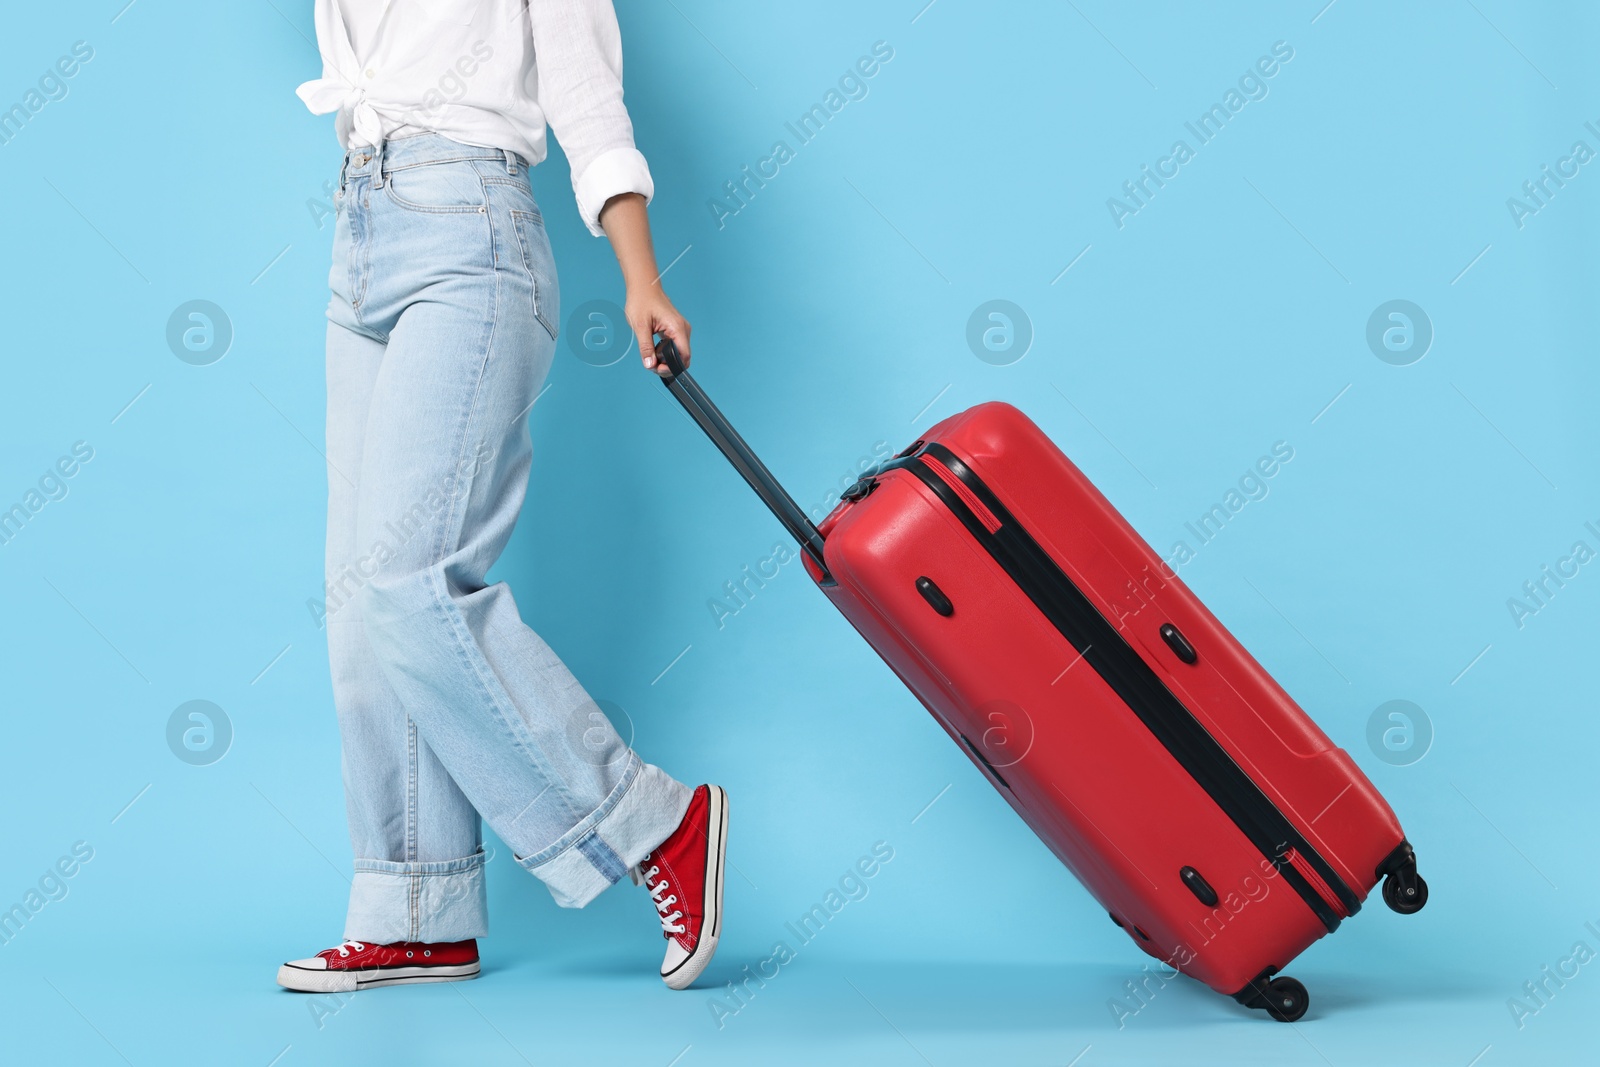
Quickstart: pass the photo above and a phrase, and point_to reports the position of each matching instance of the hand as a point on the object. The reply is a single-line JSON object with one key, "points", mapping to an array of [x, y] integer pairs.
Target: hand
{"points": [[650, 312]]}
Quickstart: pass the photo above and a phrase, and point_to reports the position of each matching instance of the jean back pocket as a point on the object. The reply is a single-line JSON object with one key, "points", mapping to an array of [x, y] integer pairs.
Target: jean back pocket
{"points": [[536, 257]]}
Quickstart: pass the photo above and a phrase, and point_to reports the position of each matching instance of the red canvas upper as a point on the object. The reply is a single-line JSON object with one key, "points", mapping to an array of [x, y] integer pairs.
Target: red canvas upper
{"points": [[358, 955], [675, 873]]}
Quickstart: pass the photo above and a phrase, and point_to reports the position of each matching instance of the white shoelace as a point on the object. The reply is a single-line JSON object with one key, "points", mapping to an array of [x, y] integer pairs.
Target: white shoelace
{"points": [[669, 923], [344, 949]]}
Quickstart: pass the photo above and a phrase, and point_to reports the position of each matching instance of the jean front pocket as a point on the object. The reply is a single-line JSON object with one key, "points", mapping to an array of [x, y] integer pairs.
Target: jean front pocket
{"points": [[438, 188], [537, 259]]}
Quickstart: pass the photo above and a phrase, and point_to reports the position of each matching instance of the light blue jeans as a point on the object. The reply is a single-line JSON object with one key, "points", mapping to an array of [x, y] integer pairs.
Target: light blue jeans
{"points": [[440, 332]]}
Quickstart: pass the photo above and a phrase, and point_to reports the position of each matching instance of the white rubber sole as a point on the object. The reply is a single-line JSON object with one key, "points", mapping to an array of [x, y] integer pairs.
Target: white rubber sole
{"points": [[304, 980], [683, 976]]}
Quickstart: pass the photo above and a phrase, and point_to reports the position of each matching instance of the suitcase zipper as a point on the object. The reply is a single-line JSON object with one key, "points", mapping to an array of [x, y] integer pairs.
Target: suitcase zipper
{"points": [[1108, 652], [978, 753], [1310, 874]]}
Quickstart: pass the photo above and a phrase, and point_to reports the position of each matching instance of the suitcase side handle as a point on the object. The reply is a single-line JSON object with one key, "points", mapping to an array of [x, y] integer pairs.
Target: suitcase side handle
{"points": [[744, 460]]}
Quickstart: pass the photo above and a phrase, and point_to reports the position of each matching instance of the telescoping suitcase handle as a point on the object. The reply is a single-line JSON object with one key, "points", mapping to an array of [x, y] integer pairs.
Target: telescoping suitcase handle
{"points": [[726, 438]]}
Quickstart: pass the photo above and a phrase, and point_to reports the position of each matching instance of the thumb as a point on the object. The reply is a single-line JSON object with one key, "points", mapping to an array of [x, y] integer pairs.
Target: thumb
{"points": [[647, 343]]}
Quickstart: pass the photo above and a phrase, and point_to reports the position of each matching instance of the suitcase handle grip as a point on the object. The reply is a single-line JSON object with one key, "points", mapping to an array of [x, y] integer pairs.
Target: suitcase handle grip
{"points": [[667, 352], [744, 460]]}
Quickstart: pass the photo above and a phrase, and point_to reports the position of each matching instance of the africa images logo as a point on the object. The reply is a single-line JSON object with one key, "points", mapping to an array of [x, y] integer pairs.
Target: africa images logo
{"points": [[852, 86], [1251, 86], [51, 86]]}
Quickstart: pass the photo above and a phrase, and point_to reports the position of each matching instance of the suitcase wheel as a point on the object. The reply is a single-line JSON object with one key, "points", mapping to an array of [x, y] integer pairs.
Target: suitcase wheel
{"points": [[1283, 998], [1403, 888], [1286, 1000], [1405, 892]]}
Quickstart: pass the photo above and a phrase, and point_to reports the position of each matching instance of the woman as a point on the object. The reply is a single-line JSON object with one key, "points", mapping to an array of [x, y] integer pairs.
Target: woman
{"points": [[441, 329]]}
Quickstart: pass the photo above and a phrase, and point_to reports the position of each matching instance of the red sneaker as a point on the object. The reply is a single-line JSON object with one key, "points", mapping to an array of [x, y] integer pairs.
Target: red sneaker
{"points": [[356, 965], [684, 876]]}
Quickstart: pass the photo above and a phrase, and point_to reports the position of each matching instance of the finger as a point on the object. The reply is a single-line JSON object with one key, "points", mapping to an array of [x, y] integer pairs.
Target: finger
{"points": [[647, 347], [678, 329], [661, 368]]}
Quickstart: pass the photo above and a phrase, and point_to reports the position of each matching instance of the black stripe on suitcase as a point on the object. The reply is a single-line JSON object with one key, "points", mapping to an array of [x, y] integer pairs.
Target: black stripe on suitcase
{"points": [[1126, 672]]}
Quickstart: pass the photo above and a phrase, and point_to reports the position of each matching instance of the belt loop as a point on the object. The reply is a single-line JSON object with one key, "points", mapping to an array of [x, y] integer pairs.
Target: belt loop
{"points": [[377, 164], [344, 169], [511, 162]]}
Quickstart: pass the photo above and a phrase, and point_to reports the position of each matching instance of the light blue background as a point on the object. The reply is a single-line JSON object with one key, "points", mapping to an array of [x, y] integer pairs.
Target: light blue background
{"points": [[830, 314]]}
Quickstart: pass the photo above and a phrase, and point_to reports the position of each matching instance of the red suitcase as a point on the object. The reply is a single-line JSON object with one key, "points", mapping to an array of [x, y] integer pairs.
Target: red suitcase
{"points": [[1155, 757]]}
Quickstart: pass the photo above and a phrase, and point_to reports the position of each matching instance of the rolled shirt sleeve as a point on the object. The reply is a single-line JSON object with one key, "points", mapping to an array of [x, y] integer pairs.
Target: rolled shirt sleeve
{"points": [[577, 51]]}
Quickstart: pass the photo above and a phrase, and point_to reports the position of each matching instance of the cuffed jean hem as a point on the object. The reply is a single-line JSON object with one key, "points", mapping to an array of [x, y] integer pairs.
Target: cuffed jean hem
{"points": [[646, 806], [438, 901]]}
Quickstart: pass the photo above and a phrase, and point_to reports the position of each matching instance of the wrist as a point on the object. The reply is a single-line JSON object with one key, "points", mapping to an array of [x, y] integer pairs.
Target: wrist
{"points": [[641, 283]]}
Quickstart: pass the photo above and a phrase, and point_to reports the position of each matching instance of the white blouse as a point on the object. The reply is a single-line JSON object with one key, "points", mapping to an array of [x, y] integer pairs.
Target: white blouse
{"points": [[484, 72]]}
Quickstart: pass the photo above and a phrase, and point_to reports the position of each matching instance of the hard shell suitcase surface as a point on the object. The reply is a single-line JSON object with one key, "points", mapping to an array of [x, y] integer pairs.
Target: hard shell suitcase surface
{"points": [[1219, 827]]}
